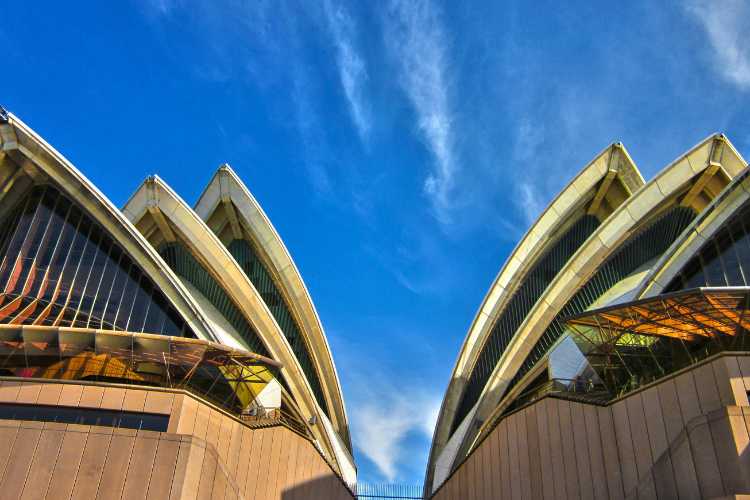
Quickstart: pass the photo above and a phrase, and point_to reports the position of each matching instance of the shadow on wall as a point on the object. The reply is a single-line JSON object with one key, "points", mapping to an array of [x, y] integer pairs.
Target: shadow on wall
{"points": [[721, 467], [326, 487], [688, 436]]}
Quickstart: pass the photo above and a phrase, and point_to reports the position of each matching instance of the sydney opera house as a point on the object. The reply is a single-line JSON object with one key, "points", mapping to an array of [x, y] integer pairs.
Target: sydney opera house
{"points": [[609, 358], [163, 350], [160, 350]]}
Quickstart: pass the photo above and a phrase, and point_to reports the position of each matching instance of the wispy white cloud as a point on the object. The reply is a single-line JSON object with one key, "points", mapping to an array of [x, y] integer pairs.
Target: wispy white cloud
{"points": [[159, 7], [413, 260], [529, 137], [530, 201], [262, 42], [528, 141], [725, 23], [309, 129], [351, 67], [383, 421], [416, 39], [392, 407]]}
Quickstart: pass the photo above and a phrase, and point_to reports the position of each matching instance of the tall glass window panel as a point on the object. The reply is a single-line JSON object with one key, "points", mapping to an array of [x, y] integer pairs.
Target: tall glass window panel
{"points": [[58, 267], [724, 260]]}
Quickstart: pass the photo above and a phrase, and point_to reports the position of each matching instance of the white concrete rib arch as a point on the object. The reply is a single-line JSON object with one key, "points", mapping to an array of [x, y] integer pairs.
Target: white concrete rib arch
{"points": [[735, 196], [227, 189], [623, 222], [154, 195], [38, 158], [613, 162]]}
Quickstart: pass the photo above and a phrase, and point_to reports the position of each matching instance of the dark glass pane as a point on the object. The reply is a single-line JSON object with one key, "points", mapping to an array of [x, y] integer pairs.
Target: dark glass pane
{"points": [[156, 315], [128, 297], [105, 284], [695, 280], [182, 262], [140, 305], [62, 247], [646, 244], [11, 254], [11, 259], [52, 315], [519, 305], [64, 263], [51, 250], [115, 294], [712, 265], [724, 259], [82, 273], [263, 281], [34, 236], [691, 276], [85, 416], [742, 247], [173, 325], [72, 265], [729, 259], [8, 229], [47, 246], [93, 277]]}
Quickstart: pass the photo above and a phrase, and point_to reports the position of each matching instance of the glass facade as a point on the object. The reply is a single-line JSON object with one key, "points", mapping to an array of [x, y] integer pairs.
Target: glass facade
{"points": [[645, 245], [724, 260], [58, 267], [262, 280], [636, 343], [536, 281], [188, 268], [226, 377]]}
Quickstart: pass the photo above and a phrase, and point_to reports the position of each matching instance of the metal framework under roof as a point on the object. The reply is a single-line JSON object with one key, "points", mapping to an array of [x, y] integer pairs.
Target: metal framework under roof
{"points": [[632, 344], [229, 378], [684, 315]]}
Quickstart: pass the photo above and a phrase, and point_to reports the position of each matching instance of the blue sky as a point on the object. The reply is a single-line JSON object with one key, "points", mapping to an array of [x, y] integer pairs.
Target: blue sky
{"points": [[399, 147]]}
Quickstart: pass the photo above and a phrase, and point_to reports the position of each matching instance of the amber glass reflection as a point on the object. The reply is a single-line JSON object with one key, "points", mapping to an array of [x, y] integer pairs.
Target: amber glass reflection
{"points": [[60, 268]]}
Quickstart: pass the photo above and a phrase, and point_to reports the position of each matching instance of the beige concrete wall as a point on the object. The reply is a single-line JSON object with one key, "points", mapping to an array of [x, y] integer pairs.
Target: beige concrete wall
{"points": [[205, 453], [685, 437]]}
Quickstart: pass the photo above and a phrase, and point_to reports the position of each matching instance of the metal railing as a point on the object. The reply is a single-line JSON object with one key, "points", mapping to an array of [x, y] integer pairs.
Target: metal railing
{"points": [[394, 491], [584, 389], [276, 417]]}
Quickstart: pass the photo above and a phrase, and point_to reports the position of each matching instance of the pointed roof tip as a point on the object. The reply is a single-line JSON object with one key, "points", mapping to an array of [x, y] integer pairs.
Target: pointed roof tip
{"points": [[718, 136], [154, 179], [224, 167], [618, 148]]}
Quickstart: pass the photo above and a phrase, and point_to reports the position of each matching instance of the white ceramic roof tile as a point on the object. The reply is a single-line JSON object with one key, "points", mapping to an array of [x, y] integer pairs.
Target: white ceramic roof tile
{"points": [[670, 180], [644, 201], [616, 228], [698, 159]]}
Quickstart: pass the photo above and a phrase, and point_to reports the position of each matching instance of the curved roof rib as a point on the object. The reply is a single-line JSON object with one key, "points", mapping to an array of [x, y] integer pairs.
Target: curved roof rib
{"points": [[167, 221], [599, 188], [724, 207], [232, 213], [689, 183], [26, 159]]}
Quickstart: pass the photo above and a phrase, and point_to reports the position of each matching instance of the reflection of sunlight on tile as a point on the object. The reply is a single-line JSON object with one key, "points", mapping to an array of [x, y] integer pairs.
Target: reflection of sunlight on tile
{"points": [[739, 432]]}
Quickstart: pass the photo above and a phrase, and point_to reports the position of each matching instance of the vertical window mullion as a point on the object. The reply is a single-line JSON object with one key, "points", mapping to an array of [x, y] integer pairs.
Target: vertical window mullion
{"points": [[108, 262], [24, 231], [49, 276]]}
